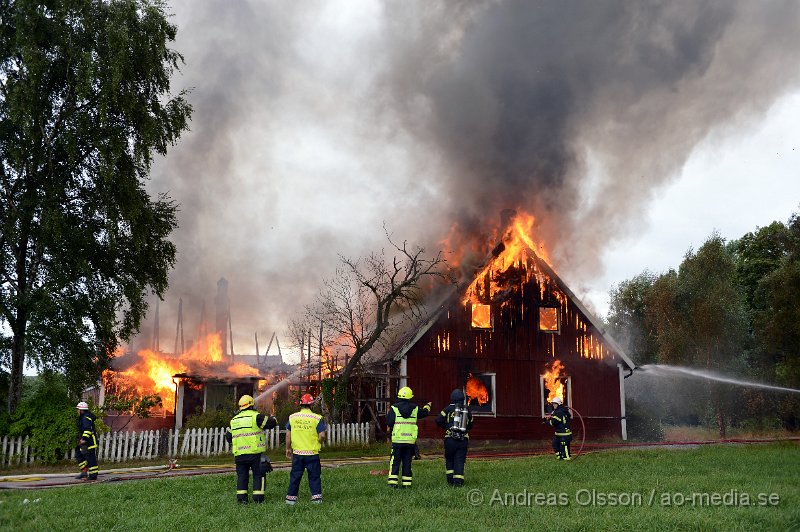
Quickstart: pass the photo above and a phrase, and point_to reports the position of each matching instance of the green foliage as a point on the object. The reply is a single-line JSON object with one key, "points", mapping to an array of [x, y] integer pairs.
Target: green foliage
{"points": [[210, 419], [627, 317], [48, 417], [284, 407], [135, 405], [86, 104]]}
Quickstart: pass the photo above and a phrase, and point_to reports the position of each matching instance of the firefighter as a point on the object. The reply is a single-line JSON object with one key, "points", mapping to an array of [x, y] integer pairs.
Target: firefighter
{"points": [[305, 432], [401, 420], [246, 436], [86, 452], [456, 440], [559, 419]]}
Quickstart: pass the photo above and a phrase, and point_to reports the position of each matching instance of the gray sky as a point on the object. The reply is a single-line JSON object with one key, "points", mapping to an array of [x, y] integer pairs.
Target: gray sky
{"points": [[630, 131]]}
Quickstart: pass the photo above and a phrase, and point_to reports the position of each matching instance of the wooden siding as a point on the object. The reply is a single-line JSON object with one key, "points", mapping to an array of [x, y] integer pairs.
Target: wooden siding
{"points": [[518, 353]]}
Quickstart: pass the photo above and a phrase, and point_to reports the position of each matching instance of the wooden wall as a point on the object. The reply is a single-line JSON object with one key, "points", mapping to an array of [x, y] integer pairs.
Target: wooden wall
{"points": [[518, 353]]}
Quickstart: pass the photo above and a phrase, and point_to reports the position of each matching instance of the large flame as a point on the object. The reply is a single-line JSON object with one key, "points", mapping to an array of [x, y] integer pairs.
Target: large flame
{"points": [[153, 372], [476, 390], [552, 381], [518, 243]]}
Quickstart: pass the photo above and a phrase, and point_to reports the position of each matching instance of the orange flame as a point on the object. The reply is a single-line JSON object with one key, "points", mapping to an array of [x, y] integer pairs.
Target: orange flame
{"points": [[476, 390], [552, 381], [152, 373], [518, 242]]}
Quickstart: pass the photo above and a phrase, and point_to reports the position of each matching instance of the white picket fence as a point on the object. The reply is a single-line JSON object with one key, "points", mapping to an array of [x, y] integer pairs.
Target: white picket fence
{"points": [[145, 445]]}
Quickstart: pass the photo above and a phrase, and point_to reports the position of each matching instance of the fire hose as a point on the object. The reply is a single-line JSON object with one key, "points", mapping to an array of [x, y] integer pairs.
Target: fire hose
{"points": [[583, 431]]}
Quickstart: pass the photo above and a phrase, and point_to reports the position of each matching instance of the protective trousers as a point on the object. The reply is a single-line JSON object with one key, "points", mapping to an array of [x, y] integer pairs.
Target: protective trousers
{"points": [[455, 457], [561, 447], [402, 453], [87, 461], [300, 464], [245, 463]]}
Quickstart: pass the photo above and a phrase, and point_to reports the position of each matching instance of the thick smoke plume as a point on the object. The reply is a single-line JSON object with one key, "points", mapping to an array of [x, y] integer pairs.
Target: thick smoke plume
{"points": [[315, 122]]}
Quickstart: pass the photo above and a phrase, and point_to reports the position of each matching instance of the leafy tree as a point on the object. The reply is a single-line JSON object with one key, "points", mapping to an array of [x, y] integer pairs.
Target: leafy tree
{"points": [[85, 104], [700, 317], [627, 317]]}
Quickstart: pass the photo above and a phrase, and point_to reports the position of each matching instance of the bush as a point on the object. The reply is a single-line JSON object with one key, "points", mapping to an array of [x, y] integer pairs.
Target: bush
{"points": [[47, 416], [210, 419]]}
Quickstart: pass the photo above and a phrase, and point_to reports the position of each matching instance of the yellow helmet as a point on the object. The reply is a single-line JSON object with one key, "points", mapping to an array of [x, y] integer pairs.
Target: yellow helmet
{"points": [[246, 401], [405, 393]]}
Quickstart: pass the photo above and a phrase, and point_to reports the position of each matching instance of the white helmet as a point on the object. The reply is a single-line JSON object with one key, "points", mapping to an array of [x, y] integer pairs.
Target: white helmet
{"points": [[82, 406], [557, 401]]}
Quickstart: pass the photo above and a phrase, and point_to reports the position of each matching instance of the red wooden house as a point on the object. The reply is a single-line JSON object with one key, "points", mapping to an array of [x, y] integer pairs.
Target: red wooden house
{"points": [[499, 337]]}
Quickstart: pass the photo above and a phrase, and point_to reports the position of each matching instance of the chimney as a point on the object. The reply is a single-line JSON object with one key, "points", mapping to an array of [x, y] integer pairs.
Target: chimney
{"points": [[223, 305]]}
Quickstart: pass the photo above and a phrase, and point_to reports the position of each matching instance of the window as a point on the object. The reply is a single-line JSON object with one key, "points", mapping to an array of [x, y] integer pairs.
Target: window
{"points": [[481, 316], [480, 391], [548, 319], [380, 393], [563, 389]]}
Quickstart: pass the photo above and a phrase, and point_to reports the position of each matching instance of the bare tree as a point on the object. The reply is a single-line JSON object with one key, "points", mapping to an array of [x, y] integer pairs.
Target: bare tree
{"points": [[371, 297]]}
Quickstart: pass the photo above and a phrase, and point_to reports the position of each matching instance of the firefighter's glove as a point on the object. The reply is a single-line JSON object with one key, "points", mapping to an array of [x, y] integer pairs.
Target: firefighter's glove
{"points": [[266, 465]]}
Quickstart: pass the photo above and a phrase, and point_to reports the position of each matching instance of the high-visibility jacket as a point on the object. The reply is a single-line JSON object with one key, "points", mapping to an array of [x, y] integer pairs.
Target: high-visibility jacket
{"points": [[405, 429], [305, 439], [246, 436]]}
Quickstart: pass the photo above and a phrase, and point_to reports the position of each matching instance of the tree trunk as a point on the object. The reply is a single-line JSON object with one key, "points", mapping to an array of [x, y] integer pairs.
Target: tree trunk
{"points": [[717, 401], [17, 364]]}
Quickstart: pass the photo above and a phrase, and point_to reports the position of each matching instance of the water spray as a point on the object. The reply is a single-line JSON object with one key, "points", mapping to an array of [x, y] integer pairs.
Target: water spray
{"points": [[666, 370]]}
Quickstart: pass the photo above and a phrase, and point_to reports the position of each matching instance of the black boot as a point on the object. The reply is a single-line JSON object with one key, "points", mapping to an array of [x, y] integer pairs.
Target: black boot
{"points": [[84, 474]]}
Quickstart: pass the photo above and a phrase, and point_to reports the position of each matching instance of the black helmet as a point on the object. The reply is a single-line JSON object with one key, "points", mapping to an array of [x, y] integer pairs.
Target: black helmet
{"points": [[457, 396]]}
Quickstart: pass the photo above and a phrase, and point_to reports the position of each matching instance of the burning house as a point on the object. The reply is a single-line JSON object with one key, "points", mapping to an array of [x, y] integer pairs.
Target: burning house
{"points": [[513, 337], [206, 375]]}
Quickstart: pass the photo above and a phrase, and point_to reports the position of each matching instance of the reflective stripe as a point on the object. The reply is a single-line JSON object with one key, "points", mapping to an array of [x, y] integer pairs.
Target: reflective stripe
{"points": [[241, 492], [458, 476], [564, 433], [449, 471], [303, 453], [258, 492]]}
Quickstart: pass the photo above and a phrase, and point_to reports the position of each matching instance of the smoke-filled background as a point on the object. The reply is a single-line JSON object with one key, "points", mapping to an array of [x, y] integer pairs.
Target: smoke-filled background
{"points": [[316, 122]]}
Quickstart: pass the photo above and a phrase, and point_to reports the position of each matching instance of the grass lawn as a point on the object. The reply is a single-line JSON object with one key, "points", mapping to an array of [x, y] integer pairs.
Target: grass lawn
{"points": [[625, 489]]}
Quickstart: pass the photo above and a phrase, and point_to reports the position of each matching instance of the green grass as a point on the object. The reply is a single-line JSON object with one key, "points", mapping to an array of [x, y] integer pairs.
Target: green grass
{"points": [[357, 500]]}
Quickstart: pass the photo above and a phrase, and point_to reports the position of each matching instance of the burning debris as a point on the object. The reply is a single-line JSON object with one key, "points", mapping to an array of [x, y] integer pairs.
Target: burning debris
{"points": [[155, 373]]}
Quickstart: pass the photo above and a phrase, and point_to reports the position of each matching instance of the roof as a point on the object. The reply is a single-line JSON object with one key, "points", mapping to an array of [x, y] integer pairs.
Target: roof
{"points": [[410, 338]]}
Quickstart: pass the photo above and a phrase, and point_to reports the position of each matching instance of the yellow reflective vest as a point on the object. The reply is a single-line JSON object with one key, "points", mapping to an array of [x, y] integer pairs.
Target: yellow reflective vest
{"points": [[246, 435], [305, 440], [405, 429]]}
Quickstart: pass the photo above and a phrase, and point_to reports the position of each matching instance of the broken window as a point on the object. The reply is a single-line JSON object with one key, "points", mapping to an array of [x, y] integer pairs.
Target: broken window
{"points": [[562, 387], [481, 316], [479, 390], [548, 319]]}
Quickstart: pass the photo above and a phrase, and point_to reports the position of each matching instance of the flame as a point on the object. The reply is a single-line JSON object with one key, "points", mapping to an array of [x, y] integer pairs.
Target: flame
{"points": [[153, 371], [552, 381], [519, 243], [476, 390]]}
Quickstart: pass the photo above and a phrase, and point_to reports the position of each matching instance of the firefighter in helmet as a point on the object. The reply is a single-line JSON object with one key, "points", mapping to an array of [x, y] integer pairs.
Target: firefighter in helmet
{"points": [[305, 432], [86, 452], [457, 421], [401, 421], [560, 419], [246, 436]]}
